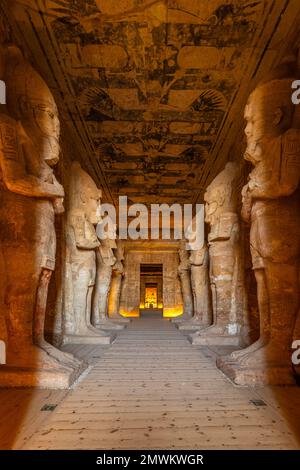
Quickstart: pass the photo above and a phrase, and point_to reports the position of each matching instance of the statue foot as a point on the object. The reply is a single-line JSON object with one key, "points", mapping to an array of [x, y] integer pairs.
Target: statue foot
{"points": [[192, 324], [64, 358], [107, 324], [214, 335], [237, 355], [92, 331], [35, 357], [268, 364], [120, 319], [180, 319], [31, 366], [267, 355], [213, 330]]}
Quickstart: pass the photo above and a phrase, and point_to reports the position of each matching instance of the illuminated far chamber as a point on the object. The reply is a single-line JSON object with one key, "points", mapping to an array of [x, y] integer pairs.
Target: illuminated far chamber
{"points": [[151, 297]]}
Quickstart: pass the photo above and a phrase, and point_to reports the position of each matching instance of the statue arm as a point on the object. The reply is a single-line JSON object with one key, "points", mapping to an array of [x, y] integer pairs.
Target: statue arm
{"points": [[81, 240], [286, 174], [275, 188], [246, 207], [27, 185], [13, 166]]}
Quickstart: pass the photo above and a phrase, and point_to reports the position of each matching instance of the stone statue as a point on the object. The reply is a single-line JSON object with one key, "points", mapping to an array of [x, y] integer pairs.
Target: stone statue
{"points": [[3, 329], [116, 285], [271, 205], [30, 197], [105, 262], [199, 261], [225, 261], [82, 243], [184, 272]]}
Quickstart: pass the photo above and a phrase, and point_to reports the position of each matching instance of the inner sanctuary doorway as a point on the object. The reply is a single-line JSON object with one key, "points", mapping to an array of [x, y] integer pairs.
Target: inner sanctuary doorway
{"points": [[151, 288], [151, 282]]}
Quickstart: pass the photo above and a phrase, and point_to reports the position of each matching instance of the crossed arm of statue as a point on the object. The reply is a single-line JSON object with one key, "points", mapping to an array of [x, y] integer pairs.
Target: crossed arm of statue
{"points": [[83, 241], [285, 174], [13, 149]]}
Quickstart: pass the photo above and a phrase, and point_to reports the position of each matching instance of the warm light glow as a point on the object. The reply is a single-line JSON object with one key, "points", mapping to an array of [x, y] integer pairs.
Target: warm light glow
{"points": [[128, 314], [173, 312], [151, 297]]}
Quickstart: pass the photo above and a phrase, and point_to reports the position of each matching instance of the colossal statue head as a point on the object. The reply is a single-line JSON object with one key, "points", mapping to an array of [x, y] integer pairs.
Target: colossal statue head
{"points": [[269, 113], [107, 233], [84, 196], [30, 100], [221, 194], [197, 257], [183, 253], [120, 251]]}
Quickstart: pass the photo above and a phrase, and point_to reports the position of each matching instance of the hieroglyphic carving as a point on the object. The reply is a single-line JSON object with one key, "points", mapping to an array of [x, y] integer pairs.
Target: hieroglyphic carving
{"points": [[172, 66]]}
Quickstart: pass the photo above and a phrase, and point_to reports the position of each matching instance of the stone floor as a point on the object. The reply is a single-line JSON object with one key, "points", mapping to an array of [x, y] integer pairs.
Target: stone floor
{"points": [[151, 389]]}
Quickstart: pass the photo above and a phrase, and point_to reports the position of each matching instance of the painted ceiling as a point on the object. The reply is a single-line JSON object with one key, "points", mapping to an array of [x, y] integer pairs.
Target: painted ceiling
{"points": [[155, 86]]}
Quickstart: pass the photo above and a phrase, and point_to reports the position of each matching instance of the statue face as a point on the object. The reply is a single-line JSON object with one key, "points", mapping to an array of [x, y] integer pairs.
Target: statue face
{"points": [[197, 256], [256, 128], [114, 235], [46, 119], [183, 255], [93, 206], [109, 244], [268, 114], [43, 116], [120, 251], [214, 199]]}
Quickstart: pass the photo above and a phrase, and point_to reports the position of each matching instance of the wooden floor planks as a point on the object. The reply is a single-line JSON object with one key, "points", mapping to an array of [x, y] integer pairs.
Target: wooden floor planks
{"points": [[152, 389]]}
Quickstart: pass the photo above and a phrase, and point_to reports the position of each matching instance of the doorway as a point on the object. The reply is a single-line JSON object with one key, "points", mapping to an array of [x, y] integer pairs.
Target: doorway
{"points": [[151, 292]]}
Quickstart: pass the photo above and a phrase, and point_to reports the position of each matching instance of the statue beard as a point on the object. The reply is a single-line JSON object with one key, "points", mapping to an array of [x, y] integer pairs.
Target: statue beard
{"points": [[47, 145], [253, 152], [50, 150]]}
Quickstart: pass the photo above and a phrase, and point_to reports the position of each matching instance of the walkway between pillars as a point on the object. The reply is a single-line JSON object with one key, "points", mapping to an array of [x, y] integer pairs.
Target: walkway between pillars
{"points": [[153, 390]]}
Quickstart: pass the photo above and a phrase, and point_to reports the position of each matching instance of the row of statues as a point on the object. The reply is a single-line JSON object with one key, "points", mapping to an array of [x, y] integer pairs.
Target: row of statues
{"points": [[30, 199], [270, 205], [212, 278], [90, 263], [213, 284]]}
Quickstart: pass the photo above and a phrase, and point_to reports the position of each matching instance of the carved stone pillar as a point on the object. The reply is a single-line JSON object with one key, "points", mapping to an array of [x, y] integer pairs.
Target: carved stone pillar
{"points": [[105, 263], [199, 260], [271, 205], [116, 286], [184, 272], [225, 262], [82, 243], [30, 197], [3, 329]]}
